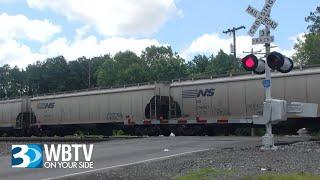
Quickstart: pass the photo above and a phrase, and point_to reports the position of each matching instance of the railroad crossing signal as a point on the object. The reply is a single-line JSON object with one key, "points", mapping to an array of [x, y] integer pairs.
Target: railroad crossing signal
{"points": [[275, 61], [274, 110], [262, 17]]}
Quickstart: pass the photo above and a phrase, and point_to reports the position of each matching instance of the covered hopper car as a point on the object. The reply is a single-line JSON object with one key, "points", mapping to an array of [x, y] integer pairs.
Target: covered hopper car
{"points": [[203, 106]]}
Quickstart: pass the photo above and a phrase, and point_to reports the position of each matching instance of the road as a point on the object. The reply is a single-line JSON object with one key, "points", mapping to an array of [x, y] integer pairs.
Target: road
{"points": [[119, 153]]}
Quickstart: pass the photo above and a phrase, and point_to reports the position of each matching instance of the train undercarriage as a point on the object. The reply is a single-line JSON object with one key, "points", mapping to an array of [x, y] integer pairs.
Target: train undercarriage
{"points": [[289, 127]]}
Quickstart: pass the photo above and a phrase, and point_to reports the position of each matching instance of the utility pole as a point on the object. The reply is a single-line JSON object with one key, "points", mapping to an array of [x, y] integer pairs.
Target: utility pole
{"points": [[233, 31], [89, 74]]}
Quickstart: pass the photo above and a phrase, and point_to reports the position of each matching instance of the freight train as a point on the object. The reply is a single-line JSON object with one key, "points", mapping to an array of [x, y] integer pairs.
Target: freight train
{"points": [[185, 107]]}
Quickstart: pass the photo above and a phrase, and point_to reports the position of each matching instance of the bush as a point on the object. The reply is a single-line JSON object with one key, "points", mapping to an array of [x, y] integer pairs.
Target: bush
{"points": [[118, 133]]}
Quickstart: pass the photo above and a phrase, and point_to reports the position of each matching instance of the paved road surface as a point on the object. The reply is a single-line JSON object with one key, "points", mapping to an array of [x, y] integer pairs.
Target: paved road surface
{"points": [[112, 154]]}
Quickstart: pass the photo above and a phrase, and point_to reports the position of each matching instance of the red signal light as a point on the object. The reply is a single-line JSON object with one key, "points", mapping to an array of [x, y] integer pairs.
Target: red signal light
{"points": [[250, 62]]}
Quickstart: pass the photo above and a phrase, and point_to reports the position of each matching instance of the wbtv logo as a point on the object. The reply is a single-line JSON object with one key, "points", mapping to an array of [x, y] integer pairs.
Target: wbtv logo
{"points": [[52, 156], [26, 156]]}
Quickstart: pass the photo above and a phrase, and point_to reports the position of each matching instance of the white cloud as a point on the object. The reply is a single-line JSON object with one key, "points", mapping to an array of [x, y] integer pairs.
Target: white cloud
{"points": [[114, 17], [288, 52], [82, 31], [14, 53], [16, 28], [294, 39], [300, 36], [91, 47], [20, 27], [212, 43]]}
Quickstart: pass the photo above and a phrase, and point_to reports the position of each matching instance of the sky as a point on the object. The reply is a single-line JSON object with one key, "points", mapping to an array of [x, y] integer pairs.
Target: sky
{"points": [[33, 30]]}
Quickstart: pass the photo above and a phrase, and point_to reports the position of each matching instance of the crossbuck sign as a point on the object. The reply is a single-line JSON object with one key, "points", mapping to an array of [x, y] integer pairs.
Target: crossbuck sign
{"points": [[262, 17]]}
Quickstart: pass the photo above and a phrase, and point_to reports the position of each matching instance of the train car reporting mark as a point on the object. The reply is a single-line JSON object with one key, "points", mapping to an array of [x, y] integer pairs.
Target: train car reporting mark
{"points": [[45, 105], [197, 93]]}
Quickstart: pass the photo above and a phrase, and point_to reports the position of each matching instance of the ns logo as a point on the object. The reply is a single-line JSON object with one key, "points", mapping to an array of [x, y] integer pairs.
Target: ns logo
{"points": [[198, 93], [45, 105]]}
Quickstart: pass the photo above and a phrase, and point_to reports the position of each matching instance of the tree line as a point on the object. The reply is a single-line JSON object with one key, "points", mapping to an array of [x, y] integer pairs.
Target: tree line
{"points": [[308, 51], [154, 64]]}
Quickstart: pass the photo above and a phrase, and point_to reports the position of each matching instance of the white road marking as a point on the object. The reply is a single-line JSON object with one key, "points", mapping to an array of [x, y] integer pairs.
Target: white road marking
{"points": [[122, 165]]}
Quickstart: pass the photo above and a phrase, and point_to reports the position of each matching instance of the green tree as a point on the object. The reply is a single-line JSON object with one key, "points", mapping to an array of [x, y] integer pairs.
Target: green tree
{"points": [[17, 82], [79, 70], [308, 51], [198, 65], [4, 80], [95, 64], [163, 63], [131, 68], [78, 77], [124, 68], [12, 82], [48, 76], [33, 78], [222, 63], [107, 74], [135, 73], [314, 19]]}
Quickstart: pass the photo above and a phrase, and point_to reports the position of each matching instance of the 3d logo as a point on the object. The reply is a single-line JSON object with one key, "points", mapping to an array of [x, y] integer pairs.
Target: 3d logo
{"points": [[26, 156]]}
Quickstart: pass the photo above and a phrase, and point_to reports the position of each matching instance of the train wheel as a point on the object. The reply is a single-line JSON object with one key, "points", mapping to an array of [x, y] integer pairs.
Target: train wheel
{"points": [[189, 131], [154, 131], [138, 131], [166, 132], [210, 131], [130, 130], [16, 133], [179, 131], [199, 131]]}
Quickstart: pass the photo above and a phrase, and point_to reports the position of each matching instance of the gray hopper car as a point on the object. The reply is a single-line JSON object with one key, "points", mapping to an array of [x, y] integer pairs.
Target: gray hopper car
{"points": [[156, 108]]}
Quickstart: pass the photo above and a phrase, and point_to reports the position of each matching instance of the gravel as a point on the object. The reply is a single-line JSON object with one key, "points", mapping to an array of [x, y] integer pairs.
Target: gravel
{"points": [[5, 148], [241, 160]]}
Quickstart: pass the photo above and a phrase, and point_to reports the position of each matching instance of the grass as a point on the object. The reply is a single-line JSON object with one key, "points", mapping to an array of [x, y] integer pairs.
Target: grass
{"points": [[315, 136], [205, 174], [118, 133], [289, 176], [211, 173]]}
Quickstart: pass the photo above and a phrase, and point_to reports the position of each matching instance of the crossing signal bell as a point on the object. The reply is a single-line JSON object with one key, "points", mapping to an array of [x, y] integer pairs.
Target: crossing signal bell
{"points": [[275, 61]]}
